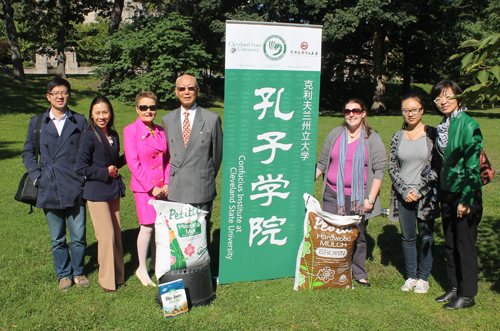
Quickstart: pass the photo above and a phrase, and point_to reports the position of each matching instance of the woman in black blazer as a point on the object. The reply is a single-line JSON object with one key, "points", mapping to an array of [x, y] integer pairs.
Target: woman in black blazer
{"points": [[99, 161]]}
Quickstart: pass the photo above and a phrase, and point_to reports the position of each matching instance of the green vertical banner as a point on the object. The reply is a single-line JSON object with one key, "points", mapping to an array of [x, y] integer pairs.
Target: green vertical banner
{"points": [[272, 85]]}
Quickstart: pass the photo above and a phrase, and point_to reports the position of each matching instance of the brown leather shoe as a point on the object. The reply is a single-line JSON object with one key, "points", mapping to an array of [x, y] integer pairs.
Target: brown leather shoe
{"points": [[65, 283], [81, 281]]}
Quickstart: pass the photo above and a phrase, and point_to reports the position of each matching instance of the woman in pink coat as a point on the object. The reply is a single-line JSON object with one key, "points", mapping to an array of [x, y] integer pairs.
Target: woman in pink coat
{"points": [[147, 158]]}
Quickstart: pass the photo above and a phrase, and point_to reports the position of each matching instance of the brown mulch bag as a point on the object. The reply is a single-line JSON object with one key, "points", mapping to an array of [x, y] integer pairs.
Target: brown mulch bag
{"points": [[324, 257]]}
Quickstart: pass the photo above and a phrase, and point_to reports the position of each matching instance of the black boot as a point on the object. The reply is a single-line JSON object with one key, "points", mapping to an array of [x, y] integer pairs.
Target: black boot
{"points": [[460, 302], [448, 296]]}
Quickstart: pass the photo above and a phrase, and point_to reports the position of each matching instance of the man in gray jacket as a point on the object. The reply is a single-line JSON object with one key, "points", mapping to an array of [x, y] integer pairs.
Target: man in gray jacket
{"points": [[194, 139]]}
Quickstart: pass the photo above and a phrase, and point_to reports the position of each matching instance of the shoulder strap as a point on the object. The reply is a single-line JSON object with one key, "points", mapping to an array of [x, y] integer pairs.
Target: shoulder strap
{"points": [[108, 156], [38, 132]]}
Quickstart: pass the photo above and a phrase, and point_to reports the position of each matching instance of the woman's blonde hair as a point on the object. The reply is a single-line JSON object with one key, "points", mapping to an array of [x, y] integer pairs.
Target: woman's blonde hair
{"points": [[145, 94]]}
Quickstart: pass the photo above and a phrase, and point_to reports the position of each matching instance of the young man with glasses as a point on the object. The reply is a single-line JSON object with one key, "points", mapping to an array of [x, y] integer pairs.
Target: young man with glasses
{"points": [[194, 137], [59, 186]]}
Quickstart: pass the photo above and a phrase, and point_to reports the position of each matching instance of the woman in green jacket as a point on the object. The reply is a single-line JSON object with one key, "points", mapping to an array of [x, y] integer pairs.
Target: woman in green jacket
{"points": [[460, 143]]}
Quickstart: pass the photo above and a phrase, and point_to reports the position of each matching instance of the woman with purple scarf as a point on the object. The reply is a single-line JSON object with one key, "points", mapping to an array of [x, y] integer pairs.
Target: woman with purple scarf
{"points": [[354, 159]]}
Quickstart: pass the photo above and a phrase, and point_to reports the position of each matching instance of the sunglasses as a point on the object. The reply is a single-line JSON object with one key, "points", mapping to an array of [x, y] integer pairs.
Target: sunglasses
{"points": [[355, 111], [183, 88], [144, 108]]}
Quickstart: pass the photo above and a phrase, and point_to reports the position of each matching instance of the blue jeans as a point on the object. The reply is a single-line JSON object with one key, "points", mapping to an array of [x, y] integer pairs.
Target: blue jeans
{"points": [[407, 219], [75, 217]]}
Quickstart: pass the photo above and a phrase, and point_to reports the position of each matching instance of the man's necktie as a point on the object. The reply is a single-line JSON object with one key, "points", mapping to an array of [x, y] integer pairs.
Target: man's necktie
{"points": [[186, 129]]}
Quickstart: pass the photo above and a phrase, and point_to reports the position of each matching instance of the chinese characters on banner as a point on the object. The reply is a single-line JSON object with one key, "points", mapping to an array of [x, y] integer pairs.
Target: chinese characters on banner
{"points": [[270, 128]]}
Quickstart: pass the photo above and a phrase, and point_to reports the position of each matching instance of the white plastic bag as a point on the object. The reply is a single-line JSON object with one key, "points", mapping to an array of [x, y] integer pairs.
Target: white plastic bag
{"points": [[181, 237]]}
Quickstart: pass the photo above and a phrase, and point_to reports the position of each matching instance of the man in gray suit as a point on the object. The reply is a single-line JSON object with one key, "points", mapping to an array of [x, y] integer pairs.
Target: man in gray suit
{"points": [[194, 139]]}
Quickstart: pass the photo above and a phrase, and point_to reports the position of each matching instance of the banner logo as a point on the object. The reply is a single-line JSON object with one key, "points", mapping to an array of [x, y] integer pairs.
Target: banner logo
{"points": [[274, 47]]}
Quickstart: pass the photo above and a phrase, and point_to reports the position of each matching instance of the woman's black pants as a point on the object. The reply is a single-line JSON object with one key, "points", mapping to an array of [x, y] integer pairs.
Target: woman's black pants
{"points": [[460, 236]]}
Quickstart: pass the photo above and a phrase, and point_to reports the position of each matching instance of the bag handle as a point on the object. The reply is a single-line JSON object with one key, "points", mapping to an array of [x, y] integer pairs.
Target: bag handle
{"points": [[38, 133], [108, 156]]}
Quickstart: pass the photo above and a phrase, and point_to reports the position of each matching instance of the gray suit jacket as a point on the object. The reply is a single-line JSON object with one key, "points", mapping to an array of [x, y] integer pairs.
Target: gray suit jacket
{"points": [[193, 168]]}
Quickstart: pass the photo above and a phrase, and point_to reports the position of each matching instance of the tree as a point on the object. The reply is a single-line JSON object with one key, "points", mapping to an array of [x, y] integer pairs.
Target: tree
{"points": [[207, 22], [483, 64], [116, 17], [377, 21], [48, 23], [17, 62], [89, 40], [420, 50], [149, 54]]}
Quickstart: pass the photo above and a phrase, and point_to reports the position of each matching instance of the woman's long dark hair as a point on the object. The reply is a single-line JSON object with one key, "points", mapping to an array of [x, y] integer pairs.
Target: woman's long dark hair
{"points": [[97, 100], [414, 96], [363, 108]]}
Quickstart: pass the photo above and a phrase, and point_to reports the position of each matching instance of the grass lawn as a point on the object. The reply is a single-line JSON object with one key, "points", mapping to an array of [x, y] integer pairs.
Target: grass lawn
{"points": [[30, 300]]}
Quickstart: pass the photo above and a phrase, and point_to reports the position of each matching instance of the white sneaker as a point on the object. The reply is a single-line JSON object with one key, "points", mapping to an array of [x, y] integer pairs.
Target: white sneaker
{"points": [[422, 286], [409, 285]]}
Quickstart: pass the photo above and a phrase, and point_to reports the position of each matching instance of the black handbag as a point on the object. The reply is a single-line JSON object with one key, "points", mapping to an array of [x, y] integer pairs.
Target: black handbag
{"points": [[27, 192]]}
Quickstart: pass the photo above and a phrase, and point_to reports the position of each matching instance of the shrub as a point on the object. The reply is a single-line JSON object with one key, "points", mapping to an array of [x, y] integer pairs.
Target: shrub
{"points": [[149, 54], [5, 55]]}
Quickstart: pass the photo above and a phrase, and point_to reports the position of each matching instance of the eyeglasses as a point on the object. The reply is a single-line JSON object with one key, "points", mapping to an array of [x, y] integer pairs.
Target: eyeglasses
{"points": [[63, 93], [414, 111], [442, 99], [355, 111], [183, 88], [144, 107]]}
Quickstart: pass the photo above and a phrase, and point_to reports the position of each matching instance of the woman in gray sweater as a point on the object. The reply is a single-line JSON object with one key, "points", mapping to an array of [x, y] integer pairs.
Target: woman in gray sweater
{"points": [[353, 159], [413, 197]]}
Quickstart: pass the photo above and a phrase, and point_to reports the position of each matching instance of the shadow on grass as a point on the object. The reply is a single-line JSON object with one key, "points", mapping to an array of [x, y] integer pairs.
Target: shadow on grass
{"points": [[489, 251], [129, 239], [439, 271], [29, 97], [389, 242], [488, 246], [7, 153], [391, 249], [24, 97]]}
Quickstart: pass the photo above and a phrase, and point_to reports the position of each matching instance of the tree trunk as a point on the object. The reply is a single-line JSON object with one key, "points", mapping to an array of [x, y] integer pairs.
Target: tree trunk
{"points": [[406, 67], [379, 67], [61, 38], [116, 17], [14, 44]]}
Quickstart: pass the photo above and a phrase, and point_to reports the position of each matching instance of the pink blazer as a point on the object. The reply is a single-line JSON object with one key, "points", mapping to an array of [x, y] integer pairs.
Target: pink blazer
{"points": [[147, 156]]}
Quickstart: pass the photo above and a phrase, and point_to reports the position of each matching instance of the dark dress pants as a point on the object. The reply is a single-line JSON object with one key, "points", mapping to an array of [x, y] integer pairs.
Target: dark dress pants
{"points": [[460, 236]]}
